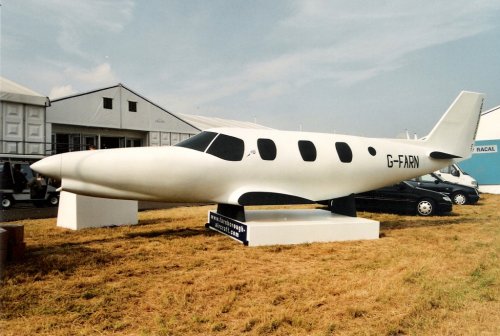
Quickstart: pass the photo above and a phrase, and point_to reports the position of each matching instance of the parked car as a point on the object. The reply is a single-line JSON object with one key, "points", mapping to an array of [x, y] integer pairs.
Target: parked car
{"points": [[459, 193], [404, 197], [18, 183], [454, 174]]}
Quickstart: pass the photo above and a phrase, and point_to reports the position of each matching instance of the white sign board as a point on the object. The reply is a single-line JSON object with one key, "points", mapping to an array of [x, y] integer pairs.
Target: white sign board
{"points": [[483, 149]]}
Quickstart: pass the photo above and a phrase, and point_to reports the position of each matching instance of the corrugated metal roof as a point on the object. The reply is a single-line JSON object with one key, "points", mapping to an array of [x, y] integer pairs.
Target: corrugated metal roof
{"points": [[204, 123], [491, 110], [14, 92], [489, 125]]}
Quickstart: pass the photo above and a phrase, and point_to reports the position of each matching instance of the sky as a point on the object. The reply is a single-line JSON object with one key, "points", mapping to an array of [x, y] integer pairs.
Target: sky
{"points": [[370, 68]]}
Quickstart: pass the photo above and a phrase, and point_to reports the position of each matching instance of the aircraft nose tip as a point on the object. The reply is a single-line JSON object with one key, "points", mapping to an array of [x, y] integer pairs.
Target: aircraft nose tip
{"points": [[50, 166]]}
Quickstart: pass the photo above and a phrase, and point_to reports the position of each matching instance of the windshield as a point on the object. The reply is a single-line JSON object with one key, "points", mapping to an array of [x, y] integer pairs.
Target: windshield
{"points": [[224, 146], [227, 147], [198, 142]]}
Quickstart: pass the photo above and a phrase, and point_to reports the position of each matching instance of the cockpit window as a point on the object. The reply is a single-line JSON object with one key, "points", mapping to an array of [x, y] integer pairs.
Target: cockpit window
{"points": [[227, 147], [224, 146], [199, 142]]}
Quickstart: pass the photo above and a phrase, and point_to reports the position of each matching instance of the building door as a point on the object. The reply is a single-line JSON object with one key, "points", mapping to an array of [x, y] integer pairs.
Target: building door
{"points": [[110, 142], [67, 142], [75, 141], [62, 143], [134, 143], [90, 141]]}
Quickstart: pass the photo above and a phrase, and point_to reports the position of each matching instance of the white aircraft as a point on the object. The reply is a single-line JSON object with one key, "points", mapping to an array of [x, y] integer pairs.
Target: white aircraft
{"points": [[238, 167]]}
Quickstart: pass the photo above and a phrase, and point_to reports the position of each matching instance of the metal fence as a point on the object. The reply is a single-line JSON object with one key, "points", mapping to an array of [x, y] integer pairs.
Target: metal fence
{"points": [[8, 147]]}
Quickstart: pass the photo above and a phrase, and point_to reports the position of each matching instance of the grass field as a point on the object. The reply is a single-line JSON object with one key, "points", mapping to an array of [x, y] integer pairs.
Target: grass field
{"points": [[170, 276]]}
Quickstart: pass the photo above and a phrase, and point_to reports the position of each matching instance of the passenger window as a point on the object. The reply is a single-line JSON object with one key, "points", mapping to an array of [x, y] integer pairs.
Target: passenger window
{"points": [[227, 147], [27, 172], [267, 149], [307, 150], [344, 152], [445, 170], [199, 142], [372, 151], [454, 171]]}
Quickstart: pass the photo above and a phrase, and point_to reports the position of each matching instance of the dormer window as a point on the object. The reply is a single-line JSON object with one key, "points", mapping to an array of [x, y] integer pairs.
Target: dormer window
{"points": [[132, 106], [107, 103]]}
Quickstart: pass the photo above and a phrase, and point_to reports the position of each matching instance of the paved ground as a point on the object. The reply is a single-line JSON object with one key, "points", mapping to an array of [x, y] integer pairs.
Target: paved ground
{"points": [[26, 211], [22, 211]]}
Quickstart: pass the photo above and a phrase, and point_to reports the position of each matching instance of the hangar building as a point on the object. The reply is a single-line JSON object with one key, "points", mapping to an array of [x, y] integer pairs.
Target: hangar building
{"points": [[484, 165], [109, 117], [32, 127], [113, 117]]}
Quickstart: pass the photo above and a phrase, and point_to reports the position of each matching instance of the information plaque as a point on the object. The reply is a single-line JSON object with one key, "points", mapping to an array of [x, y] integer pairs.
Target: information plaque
{"points": [[228, 226]]}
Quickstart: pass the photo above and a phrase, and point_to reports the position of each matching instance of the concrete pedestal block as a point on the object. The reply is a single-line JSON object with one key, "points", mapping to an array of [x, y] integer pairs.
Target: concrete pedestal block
{"points": [[271, 227], [307, 226], [80, 212]]}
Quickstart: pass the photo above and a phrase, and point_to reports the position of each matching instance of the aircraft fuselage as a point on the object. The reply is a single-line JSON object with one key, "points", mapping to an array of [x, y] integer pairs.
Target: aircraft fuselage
{"points": [[322, 167], [255, 166]]}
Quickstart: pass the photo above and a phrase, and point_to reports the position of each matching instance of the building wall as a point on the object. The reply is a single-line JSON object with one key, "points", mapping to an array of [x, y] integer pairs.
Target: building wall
{"points": [[88, 110], [484, 165], [23, 128], [150, 117], [74, 137], [166, 138]]}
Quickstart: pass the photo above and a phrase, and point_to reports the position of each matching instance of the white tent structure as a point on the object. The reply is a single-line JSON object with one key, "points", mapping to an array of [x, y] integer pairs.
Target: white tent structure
{"points": [[22, 119], [16, 93]]}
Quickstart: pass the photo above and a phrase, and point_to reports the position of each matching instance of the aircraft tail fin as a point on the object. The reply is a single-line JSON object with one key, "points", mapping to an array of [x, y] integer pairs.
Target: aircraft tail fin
{"points": [[454, 134]]}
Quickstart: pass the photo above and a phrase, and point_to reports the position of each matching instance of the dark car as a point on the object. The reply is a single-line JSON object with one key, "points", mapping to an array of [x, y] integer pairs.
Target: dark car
{"points": [[406, 198], [459, 193]]}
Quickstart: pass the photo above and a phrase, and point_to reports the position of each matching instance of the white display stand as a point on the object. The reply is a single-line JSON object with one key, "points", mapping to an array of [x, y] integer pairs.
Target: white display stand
{"points": [[80, 212], [272, 227]]}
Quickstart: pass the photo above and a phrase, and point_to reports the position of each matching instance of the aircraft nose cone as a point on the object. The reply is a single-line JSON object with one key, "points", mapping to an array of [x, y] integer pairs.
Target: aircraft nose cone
{"points": [[50, 166]]}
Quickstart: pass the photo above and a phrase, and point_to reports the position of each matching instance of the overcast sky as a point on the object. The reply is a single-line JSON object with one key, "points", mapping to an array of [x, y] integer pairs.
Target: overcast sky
{"points": [[372, 68]]}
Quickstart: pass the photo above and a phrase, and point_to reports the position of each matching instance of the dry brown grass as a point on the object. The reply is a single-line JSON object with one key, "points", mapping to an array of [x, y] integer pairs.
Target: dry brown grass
{"points": [[170, 276]]}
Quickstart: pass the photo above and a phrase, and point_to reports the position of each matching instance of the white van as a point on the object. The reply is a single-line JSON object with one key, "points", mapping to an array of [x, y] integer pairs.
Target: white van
{"points": [[454, 174]]}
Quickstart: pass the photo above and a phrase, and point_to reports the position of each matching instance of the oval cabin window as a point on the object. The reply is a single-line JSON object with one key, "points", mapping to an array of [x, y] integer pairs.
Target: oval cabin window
{"points": [[344, 152], [267, 149], [307, 150]]}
